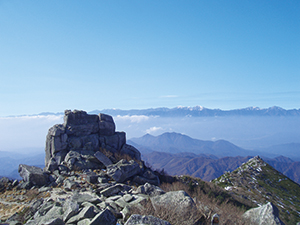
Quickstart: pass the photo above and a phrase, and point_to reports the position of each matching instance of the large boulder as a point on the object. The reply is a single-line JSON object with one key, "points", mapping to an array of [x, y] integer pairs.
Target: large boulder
{"points": [[267, 214], [147, 177], [33, 175], [147, 220], [177, 200], [123, 170], [131, 151]]}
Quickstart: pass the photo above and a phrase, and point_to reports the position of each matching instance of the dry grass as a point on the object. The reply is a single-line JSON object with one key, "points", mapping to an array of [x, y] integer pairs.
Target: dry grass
{"points": [[16, 202], [187, 216], [205, 195]]}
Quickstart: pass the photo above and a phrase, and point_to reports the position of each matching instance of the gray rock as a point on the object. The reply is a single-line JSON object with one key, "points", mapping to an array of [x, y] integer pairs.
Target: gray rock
{"points": [[86, 212], [52, 165], [123, 170], [267, 214], [81, 198], [139, 199], [60, 179], [115, 189], [102, 179], [115, 141], [13, 223], [79, 123], [145, 220], [121, 202], [53, 216], [84, 222], [131, 151], [44, 189], [73, 144], [63, 168], [56, 140], [177, 200], [128, 197], [33, 175], [143, 180], [41, 210], [24, 185], [54, 221], [71, 157], [149, 189], [70, 209], [93, 179], [70, 184], [103, 158], [104, 218], [106, 125]]}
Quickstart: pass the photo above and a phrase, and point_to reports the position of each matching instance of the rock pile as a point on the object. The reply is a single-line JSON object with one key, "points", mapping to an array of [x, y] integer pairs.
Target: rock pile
{"points": [[105, 203], [74, 143], [80, 144]]}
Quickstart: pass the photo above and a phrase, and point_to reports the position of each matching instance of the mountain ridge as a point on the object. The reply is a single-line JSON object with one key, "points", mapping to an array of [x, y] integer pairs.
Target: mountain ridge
{"points": [[175, 142], [196, 111], [259, 182]]}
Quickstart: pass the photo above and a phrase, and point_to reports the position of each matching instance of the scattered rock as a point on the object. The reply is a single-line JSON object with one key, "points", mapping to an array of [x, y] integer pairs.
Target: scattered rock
{"points": [[34, 175], [103, 158], [267, 214], [149, 220], [114, 190], [150, 190], [123, 170], [104, 218]]}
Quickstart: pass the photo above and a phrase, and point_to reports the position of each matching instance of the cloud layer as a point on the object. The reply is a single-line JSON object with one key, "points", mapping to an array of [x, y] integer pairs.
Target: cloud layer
{"points": [[248, 132]]}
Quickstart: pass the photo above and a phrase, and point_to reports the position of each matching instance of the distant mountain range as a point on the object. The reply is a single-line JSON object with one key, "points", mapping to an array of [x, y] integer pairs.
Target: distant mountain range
{"points": [[201, 111], [177, 143], [196, 111], [180, 154], [208, 168]]}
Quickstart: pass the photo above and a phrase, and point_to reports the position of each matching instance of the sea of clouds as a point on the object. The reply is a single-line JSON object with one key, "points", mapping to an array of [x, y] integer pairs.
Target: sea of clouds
{"points": [[29, 132]]}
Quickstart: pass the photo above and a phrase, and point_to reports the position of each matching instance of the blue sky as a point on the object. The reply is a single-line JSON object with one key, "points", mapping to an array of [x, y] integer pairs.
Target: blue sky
{"points": [[57, 55]]}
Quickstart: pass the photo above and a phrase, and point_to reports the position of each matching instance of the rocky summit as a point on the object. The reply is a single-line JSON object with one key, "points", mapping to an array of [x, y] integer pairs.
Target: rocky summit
{"points": [[92, 177], [74, 143]]}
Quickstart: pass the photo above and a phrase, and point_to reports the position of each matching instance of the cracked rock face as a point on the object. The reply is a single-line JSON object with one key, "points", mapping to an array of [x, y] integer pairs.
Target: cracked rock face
{"points": [[75, 142]]}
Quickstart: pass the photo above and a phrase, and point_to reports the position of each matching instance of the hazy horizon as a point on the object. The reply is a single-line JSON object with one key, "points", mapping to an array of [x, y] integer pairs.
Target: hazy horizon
{"points": [[249, 132]]}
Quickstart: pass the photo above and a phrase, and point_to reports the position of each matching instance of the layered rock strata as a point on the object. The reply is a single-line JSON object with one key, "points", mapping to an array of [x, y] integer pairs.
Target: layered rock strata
{"points": [[75, 142]]}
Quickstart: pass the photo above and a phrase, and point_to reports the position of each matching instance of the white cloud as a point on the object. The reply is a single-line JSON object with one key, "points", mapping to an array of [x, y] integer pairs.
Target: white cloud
{"points": [[153, 129], [41, 117], [134, 118], [26, 131]]}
